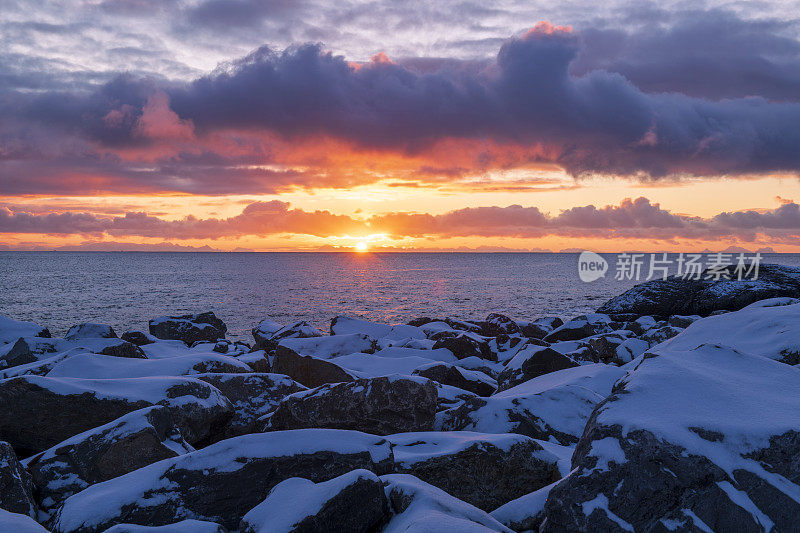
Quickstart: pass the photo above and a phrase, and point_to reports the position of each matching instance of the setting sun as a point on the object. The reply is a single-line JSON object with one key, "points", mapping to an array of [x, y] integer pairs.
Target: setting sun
{"points": [[361, 247]]}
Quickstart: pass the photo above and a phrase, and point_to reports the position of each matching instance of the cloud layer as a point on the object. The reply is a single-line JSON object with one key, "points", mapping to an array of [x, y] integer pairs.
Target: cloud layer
{"points": [[306, 117]]}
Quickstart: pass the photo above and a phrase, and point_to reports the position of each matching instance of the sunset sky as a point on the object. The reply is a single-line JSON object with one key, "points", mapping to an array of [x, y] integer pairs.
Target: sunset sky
{"points": [[311, 125]]}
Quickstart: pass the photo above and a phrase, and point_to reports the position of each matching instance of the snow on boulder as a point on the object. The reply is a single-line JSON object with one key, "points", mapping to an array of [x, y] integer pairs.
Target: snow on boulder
{"points": [[581, 327], [525, 513], [630, 350], [418, 507], [342, 325], [530, 362], [485, 470], [380, 406], [268, 333], [699, 439], [771, 331], [19, 523], [49, 410], [16, 485], [221, 482], [11, 330], [353, 502], [687, 296], [308, 370], [31, 349], [539, 328], [365, 365], [552, 406], [497, 324], [132, 441], [469, 380], [189, 328], [89, 330], [139, 338], [252, 396], [88, 365], [464, 344], [330, 347], [184, 526]]}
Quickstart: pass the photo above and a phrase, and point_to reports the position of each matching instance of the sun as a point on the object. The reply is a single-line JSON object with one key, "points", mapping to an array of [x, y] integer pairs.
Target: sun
{"points": [[361, 246]]}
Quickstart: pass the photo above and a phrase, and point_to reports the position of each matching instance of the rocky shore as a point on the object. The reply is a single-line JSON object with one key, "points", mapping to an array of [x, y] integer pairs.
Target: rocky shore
{"points": [[675, 407]]}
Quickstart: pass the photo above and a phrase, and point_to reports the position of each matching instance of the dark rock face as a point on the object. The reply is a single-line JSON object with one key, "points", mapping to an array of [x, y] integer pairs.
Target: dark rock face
{"points": [[678, 296], [352, 503], [531, 362], [135, 440], [16, 486], [222, 482], [124, 349], [307, 370], [189, 328], [604, 346], [267, 337], [49, 410], [581, 327], [90, 331], [252, 396], [448, 374], [484, 474], [497, 324], [463, 345], [380, 406], [139, 338]]}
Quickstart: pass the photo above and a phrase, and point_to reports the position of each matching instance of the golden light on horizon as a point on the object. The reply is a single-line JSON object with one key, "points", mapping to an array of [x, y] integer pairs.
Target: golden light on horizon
{"points": [[362, 246]]}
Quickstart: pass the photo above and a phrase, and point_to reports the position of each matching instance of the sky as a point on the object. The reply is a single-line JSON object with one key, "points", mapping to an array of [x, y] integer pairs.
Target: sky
{"points": [[281, 125]]}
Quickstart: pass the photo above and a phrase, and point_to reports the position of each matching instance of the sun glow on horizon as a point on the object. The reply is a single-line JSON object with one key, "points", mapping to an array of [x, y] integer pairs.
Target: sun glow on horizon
{"points": [[362, 246]]}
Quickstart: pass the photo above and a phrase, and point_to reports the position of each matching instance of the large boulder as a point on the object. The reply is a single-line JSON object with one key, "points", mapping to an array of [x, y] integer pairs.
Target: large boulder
{"points": [[380, 406], [222, 482], [19, 523], [343, 325], [268, 334], [539, 328], [26, 350], [88, 365], [16, 485], [552, 406], [530, 362], [704, 438], [688, 296], [464, 345], [330, 347], [581, 327], [130, 442], [419, 507], [49, 410], [252, 396], [485, 470], [351, 503], [497, 324], [11, 330], [306, 369], [473, 381], [90, 330], [189, 328]]}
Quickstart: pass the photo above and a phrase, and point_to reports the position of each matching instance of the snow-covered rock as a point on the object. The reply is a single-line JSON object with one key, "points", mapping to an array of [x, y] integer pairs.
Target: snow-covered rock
{"points": [[555, 405], [132, 441], [696, 437], [630, 350], [306, 369], [252, 396], [353, 502], [525, 513], [470, 380], [581, 327], [189, 328], [89, 365], [16, 485], [222, 482], [658, 335], [184, 526], [343, 325], [539, 328], [139, 338], [530, 362], [19, 523], [49, 410], [689, 296], [485, 470], [365, 365], [268, 333], [380, 406], [498, 324], [464, 344], [27, 350], [89, 330], [330, 347], [422, 508], [11, 330], [771, 331]]}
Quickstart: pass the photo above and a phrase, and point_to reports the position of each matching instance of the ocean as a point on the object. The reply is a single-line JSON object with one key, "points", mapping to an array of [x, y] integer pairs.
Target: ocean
{"points": [[126, 289]]}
